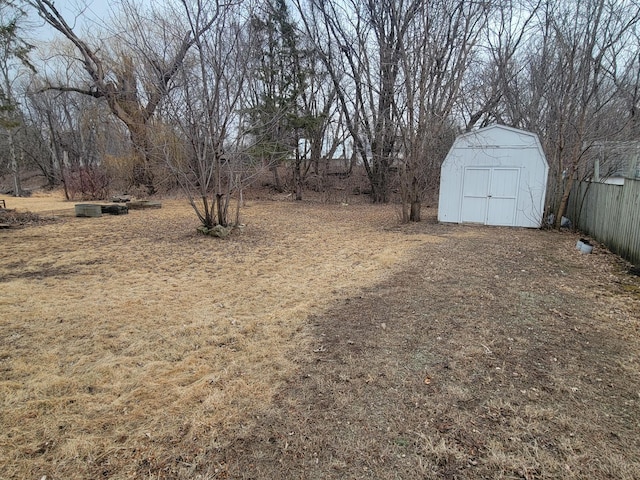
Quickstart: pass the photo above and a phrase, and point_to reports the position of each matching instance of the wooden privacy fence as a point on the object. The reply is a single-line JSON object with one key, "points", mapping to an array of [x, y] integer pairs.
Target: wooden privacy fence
{"points": [[610, 214]]}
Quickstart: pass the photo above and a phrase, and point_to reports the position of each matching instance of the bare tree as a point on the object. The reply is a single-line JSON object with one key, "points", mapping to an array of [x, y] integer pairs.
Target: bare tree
{"points": [[405, 63], [566, 86], [203, 143], [491, 92], [628, 85], [120, 84], [359, 47], [14, 60], [79, 136], [434, 60]]}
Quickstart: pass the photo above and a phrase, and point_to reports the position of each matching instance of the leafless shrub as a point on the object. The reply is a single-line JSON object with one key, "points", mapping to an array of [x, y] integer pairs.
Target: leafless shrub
{"points": [[87, 183]]}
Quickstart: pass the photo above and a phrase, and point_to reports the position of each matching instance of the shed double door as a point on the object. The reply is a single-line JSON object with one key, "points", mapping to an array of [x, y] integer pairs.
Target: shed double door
{"points": [[490, 195]]}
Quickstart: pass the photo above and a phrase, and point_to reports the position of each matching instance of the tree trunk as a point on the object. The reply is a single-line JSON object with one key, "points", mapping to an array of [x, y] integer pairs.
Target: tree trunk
{"points": [[416, 204], [15, 168], [382, 193], [276, 177], [297, 176], [222, 209], [299, 187], [142, 173], [240, 200], [406, 212], [564, 201], [414, 216], [316, 154], [379, 185], [62, 162]]}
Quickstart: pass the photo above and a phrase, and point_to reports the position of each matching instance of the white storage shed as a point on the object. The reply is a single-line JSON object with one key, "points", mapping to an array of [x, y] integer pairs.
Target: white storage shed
{"points": [[494, 176]]}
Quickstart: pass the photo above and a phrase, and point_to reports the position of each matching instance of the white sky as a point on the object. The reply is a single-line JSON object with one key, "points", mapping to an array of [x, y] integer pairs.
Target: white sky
{"points": [[81, 15]]}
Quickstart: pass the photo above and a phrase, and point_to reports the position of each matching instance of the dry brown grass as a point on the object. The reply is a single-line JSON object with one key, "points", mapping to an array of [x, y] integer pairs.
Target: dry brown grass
{"points": [[325, 341], [129, 342], [497, 353]]}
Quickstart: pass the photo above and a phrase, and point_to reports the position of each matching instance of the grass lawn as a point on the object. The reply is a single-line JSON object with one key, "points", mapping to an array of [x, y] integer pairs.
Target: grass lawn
{"points": [[322, 341]]}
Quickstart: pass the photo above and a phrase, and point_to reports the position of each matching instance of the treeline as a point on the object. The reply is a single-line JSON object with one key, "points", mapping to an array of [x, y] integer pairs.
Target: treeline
{"points": [[206, 95]]}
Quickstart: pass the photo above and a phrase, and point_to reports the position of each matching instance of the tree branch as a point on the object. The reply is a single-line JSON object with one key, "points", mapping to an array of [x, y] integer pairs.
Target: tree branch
{"points": [[91, 93]]}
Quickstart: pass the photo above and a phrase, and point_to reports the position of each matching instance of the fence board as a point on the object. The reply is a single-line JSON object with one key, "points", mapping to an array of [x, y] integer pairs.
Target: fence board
{"points": [[610, 214]]}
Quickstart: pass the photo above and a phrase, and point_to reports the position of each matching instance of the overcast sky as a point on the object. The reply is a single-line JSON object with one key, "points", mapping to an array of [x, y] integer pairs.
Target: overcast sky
{"points": [[80, 14]]}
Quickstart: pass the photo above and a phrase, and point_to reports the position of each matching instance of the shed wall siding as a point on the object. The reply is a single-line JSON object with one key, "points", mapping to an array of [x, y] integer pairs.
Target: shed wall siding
{"points": [[495, 148]]}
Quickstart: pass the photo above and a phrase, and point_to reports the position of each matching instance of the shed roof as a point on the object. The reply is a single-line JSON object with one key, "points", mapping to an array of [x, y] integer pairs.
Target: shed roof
{"points": [[498, 136]]}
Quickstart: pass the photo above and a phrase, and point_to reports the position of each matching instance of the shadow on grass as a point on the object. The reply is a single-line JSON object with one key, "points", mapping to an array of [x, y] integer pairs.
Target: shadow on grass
{"points": [[476, 361]]}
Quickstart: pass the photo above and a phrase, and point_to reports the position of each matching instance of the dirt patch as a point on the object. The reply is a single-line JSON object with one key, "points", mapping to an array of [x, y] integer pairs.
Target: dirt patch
{"points": [[495, 354], [323, 342]]}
